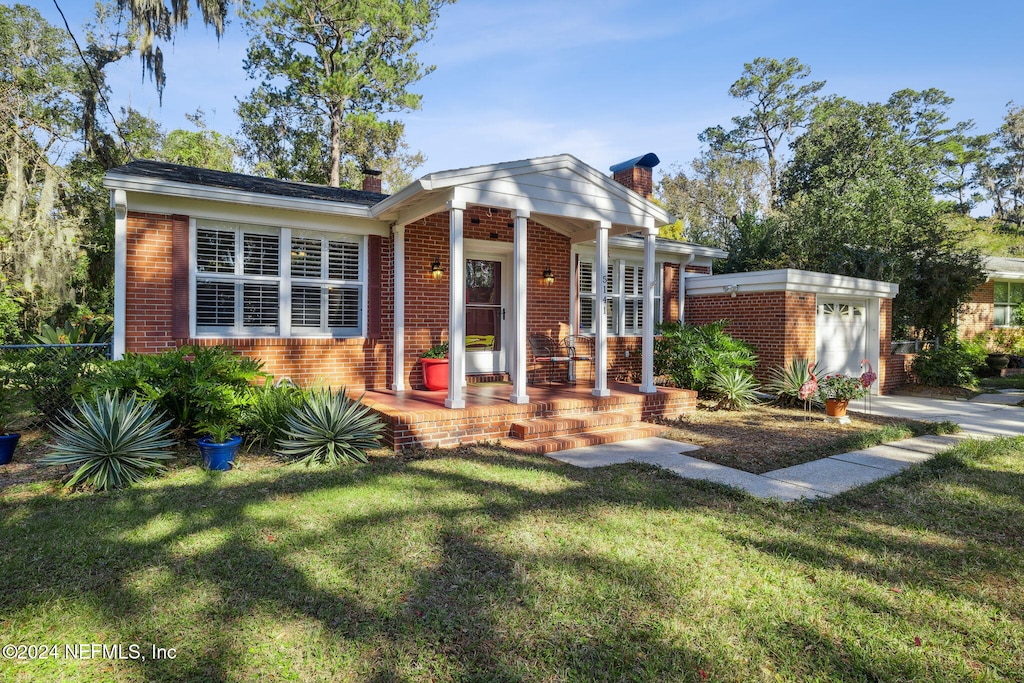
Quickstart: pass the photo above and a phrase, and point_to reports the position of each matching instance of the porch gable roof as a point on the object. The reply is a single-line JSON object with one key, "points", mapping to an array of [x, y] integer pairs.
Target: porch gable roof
{"points": [[560, 191]]}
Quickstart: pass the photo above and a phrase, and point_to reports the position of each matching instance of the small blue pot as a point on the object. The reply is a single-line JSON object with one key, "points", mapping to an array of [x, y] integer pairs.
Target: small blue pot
{"points": [[8, 442], [219, 456]]}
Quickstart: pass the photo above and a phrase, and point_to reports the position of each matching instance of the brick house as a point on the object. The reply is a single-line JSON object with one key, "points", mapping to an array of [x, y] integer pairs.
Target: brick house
{"points": [[994, 301], [350, 287]]}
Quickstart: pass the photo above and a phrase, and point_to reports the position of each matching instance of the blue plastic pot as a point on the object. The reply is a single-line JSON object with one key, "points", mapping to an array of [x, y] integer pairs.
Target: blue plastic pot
{"points": [[8, 442], [219, 456]]}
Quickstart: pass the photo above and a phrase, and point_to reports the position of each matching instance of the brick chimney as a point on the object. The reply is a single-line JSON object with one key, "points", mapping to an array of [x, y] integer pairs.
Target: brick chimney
{"points": [[636, 174], [371, 181]]}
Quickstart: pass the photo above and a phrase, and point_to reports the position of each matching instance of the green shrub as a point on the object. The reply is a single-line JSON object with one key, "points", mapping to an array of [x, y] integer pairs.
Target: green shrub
{"points": [[265, 417], [950, 365], [114, 442], [785, 381], [735, 387], [330, 429], [1002, 340], [193, 385], [691, 354]]}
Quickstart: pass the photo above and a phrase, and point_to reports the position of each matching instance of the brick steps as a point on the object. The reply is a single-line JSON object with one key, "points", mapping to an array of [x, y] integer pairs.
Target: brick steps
{"points": [[564, 425], [551, 444]]}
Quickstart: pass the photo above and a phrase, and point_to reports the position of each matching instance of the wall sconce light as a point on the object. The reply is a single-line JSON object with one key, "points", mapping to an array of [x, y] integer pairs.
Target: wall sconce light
{"points": [[436, 270], [731, 290], [549, 277]]}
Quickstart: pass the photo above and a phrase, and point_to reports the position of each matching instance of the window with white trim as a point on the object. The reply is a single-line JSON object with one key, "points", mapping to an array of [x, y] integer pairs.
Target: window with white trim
{"points": [[625, 302], [1006, 296], [256, 281]]}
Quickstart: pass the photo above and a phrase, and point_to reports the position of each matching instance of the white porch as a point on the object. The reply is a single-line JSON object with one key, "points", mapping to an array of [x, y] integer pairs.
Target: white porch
{"points": [[560, 193]]}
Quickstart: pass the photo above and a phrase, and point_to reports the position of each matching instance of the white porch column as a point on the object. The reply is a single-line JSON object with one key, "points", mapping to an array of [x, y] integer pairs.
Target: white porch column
{"points": [[682, 287], [398, 344], [119, 202], [456, 307], [519, 285], [601, 314], [647, 347]]}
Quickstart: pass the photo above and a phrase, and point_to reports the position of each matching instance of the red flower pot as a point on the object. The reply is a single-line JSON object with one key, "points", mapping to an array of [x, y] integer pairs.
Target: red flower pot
{"points": [[435, 373]]}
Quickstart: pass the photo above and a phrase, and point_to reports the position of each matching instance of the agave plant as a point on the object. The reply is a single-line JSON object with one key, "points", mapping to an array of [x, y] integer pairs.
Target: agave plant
{"points": [[736, 389], [115, 442], [786, 381], [329, 429]]}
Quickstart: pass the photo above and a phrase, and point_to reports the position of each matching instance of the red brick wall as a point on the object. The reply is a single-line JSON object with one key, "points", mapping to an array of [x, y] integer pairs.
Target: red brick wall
{"points": [[978, 314], [780, 325], [355, 363], [894, 370], [426, 311]]}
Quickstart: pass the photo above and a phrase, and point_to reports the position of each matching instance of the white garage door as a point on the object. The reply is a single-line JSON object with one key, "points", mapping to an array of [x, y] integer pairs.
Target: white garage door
{"points": [[841, 335]]}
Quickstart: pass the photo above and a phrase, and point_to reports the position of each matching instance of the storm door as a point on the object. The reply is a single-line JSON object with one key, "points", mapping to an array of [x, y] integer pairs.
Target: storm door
{"points": [[485, 317]]}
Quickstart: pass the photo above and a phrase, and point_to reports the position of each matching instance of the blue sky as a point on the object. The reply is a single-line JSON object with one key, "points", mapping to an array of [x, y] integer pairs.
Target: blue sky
{"points": [[607, 80]]}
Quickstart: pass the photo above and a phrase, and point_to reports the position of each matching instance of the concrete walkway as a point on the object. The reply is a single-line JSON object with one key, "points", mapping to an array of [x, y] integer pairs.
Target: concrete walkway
{"points": [[828, 476]]}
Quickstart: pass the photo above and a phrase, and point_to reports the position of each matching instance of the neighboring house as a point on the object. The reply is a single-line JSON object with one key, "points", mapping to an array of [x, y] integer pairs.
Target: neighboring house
{"points": [[993, 302], [350, 287]]}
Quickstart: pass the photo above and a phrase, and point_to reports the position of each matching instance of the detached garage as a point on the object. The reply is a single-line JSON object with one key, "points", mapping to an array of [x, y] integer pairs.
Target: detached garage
{"points": [[835, 320]]}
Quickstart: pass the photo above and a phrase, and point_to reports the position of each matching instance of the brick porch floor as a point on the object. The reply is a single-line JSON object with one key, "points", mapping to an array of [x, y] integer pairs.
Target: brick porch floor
{"points": [[557, 417]]}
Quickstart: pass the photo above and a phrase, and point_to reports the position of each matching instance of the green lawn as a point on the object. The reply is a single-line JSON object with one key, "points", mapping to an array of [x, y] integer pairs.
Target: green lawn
{"points": [[482, 565]]}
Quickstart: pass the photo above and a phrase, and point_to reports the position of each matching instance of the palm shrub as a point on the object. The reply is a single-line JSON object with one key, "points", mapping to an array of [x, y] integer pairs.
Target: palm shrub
{"points": [[691, 354], [114, 441], [265, 416], [329, 429], [193, 385], [736, 389], [785, 381]]}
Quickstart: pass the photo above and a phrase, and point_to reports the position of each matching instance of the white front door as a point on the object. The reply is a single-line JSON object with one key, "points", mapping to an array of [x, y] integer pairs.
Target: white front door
{"points": [[486, 300]]}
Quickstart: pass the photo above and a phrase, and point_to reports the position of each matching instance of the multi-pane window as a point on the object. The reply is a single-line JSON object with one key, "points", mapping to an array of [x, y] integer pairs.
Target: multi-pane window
{"points": [[1006, 296], [625, 299], [245, 276]]}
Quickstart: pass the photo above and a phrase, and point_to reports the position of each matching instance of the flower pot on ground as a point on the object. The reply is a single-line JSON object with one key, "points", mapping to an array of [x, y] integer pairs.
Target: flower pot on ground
{"points": [[998, 361], [434, 362], [836, 407], [8, 442], [219, 447], [840, 388]]}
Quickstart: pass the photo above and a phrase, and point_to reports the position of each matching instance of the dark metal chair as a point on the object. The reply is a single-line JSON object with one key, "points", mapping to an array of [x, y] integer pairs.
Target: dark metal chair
{"points": [[581, 350], [548, 351]]}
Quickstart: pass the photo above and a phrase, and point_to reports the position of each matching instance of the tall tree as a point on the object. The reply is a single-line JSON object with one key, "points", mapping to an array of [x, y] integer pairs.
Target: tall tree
{"points": [[709, 201], [957, 175], [202, 147], [1002, 174], [344, 64], [858, 200], [779, 106]]}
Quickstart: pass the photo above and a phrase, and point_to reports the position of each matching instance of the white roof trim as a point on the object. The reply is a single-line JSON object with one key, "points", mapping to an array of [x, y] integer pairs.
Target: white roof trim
{"points": [[789, 280], [669, 246], [443, 180], [158, 186], [995, 275]]}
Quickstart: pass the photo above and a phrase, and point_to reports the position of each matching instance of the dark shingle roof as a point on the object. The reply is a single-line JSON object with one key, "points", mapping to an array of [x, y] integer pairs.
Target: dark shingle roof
{"points": [[145, 168]]}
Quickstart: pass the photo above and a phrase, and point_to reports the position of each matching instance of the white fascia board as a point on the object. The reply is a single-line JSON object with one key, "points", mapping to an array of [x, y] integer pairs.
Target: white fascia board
{"points": [[630, 252], [1005, 276], [670, 247], [131, 183], [481, 174], [789, 280]]}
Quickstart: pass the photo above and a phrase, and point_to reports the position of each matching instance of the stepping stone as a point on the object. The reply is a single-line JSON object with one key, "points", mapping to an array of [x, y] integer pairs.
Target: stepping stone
{"points": [[754, 484], [829, 475]]}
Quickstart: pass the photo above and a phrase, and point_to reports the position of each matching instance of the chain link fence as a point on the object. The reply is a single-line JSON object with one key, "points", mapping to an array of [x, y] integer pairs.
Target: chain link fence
{"points": [[41, 378]]}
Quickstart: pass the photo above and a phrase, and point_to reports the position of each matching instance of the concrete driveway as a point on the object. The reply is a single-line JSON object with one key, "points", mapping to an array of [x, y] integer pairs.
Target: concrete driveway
{"points": [[977, 417]]}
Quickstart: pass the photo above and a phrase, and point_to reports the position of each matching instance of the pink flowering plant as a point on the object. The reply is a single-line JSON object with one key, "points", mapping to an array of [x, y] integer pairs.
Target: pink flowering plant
{"points": [[840, 388]]}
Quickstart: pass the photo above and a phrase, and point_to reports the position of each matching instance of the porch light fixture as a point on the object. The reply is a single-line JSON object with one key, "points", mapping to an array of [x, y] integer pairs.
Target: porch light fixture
{"points": [[549, 277], [436, 270]]}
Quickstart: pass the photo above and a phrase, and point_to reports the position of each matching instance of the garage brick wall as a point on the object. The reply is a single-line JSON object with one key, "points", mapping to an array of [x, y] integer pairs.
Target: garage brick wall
{"points": [[780, 325]]}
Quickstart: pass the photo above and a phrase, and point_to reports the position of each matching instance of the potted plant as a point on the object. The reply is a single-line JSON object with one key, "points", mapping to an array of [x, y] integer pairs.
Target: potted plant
{"points": [[435, 367], [837, 391], [220, 445], [10, 404]]}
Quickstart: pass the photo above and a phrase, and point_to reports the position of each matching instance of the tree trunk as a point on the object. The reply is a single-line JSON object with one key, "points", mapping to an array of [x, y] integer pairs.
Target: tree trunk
{"points": [[337, 113]]}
